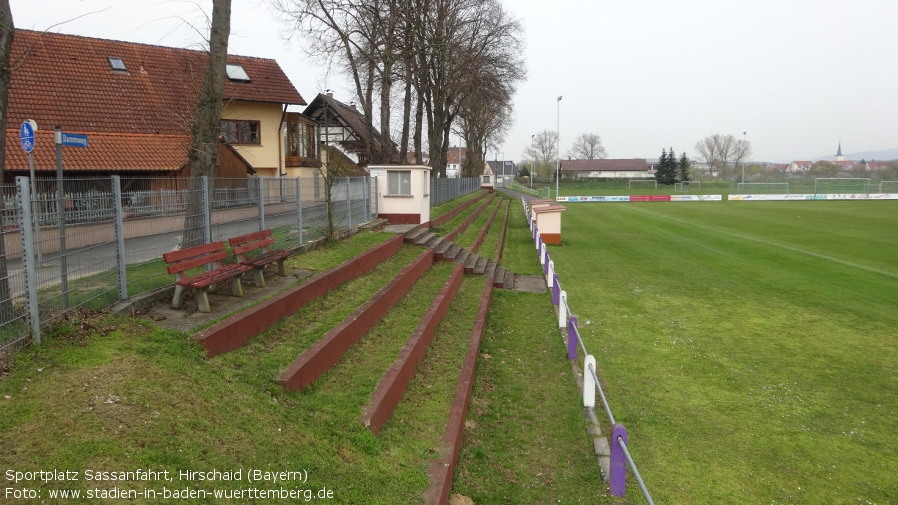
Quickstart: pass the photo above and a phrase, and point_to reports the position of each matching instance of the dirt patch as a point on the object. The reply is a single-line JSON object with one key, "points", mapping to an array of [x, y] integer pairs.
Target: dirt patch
{"points": [[530, 283], [189, 319]]}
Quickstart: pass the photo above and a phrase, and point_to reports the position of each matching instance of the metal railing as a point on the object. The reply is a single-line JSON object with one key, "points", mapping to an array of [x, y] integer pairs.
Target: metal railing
{"points": [[104, 239], [620, 454], [445, 189]]}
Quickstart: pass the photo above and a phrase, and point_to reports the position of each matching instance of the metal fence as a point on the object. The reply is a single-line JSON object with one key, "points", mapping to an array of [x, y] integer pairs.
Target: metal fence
{"points": [[445, 189], [620, 457], [96, 241]]}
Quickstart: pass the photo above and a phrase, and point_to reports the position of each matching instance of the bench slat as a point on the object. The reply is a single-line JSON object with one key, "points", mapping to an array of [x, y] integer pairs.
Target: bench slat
{"points": [[190, 252]]}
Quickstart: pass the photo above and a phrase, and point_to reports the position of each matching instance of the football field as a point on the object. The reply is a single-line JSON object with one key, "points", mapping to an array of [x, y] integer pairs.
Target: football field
{"points": [[750, 348]]}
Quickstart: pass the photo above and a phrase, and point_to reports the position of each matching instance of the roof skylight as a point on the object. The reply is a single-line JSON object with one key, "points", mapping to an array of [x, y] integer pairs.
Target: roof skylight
{"points": [[117, 63], [236, 73]]}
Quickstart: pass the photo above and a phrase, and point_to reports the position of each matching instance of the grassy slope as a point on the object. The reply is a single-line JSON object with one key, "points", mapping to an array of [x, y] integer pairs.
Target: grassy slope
{"points": [[525, 439], [749, 347]]}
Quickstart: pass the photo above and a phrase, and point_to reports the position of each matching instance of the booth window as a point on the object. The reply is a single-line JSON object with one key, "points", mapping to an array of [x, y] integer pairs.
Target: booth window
{"points": [[399, 182]]}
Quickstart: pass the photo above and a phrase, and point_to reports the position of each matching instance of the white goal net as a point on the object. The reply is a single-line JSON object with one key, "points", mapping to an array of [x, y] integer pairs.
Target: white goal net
{"points": [[833, 185], [686, 186]]}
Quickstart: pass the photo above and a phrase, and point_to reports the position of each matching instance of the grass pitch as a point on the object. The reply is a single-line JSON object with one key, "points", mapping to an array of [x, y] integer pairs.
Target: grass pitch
{"points": [[750, 348]]}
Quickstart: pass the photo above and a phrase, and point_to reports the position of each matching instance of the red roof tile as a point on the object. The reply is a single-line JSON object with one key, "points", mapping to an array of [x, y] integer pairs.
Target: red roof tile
{"points": [[67, 80], [114, 152]]}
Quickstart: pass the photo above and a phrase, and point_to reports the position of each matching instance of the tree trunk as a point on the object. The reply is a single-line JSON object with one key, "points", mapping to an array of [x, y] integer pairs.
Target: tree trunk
{"points": [[7, 313], [207, 122]]}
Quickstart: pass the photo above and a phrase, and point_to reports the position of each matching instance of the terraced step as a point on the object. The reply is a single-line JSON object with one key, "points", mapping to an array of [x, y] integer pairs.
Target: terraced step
{"points": [[499, 277], [480, 265], [412, 236], [470, 261], [424, 238]]}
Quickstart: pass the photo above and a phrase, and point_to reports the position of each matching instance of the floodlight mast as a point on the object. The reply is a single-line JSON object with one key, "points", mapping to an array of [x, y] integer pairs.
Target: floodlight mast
{"points": [[557, 145]]}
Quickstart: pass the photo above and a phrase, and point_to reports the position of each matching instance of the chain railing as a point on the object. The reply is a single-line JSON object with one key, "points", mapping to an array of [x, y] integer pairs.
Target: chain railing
{"points": [[620, 453]]}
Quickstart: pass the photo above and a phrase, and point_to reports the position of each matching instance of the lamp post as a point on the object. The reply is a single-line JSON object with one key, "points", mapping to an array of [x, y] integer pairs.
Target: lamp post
{"points": [[531, 163], [744, 142], [558, 144]]}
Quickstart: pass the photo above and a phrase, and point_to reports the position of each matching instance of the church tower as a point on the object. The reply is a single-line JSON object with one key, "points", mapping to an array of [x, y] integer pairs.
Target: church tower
{"points": [[839, 156]]}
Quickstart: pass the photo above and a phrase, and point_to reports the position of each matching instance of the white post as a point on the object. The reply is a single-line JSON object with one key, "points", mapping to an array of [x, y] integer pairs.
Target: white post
{"points": [[550, 277], [542, 254], [589, 384], [562, 309]]}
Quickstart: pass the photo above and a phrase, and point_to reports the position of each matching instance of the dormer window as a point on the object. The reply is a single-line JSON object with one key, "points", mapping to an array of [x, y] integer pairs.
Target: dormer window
{"points": [[236, 73], [117, 64]]}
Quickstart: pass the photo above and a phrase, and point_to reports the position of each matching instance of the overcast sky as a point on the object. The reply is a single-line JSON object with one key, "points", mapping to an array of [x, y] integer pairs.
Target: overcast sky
{"points": [[798, 76]]}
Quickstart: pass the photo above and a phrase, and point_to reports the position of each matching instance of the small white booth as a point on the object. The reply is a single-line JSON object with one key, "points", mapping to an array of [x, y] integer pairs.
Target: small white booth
{"points": [[488, 179], [403, 193]]}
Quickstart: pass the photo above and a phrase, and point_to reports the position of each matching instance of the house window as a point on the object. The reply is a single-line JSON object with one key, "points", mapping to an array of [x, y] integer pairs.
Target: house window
{"points": [[117, 64], [399, 182], [236, 73], [240, 131]]}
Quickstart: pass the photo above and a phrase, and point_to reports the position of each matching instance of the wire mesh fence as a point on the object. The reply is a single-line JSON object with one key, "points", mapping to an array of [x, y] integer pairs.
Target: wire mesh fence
{"points": [[444, 189], [91, 242]]}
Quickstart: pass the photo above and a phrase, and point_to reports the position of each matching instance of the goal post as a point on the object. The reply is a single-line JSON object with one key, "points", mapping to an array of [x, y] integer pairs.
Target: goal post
{"points": [[888, 187], [640, 183], [762, 188], [685, 186], [830, 185]]}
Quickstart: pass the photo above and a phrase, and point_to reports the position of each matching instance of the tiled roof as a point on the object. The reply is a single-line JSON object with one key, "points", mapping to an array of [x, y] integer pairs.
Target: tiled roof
{"points": [[456, 155], [506, 167], [114, 152], [67, 80], [629, 165], [351, 117]]}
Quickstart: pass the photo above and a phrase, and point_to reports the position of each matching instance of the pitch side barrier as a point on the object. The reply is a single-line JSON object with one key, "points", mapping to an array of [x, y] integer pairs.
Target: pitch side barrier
{"points": [[616, 471], [811, 196], [641, 198]]}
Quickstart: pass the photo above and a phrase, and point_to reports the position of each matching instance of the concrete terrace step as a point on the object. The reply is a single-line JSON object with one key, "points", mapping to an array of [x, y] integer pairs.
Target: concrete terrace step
{"points": [[499, 277], [470, 261], [452, 252], [415, 233], [480, 265], [424, 238]]}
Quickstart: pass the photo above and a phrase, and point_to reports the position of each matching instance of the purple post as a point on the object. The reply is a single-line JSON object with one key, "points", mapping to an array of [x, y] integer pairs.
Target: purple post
{"points": [[556, 291], [572, 338], [618, 462]]}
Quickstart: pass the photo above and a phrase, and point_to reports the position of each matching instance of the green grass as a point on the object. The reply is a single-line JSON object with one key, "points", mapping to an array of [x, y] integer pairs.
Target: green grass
{"points": [[526, 439], [750, 348]]}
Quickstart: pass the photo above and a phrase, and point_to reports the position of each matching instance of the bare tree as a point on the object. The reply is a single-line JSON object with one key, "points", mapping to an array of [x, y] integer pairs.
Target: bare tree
{"points": [[588, 146], [6, 33], [542, 153], [718, 151], [206, 126]]}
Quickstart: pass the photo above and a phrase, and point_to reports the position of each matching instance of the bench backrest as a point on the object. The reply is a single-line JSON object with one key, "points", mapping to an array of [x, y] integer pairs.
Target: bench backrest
{"points": [[251, 241], [197, 256]]}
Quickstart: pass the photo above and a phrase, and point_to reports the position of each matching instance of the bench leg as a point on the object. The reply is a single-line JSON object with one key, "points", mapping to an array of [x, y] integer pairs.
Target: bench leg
{"points": [[202, 300], [177, 298], [260, 277], [236, 287], [282, 271]]}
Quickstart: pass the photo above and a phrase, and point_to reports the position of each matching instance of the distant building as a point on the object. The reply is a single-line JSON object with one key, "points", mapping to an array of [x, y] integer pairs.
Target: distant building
{"points": [[606, 169]]}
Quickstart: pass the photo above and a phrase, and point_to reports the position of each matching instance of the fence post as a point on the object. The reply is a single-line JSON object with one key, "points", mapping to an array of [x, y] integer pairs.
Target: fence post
{"points": [[298, 211], [263, 182], [618, 461], [572, 337], [562, 309], [556, 292], [545, 260], [207, 209], [28, 256], [121, 259], [349, 203], [589, 382], [550, 274]]}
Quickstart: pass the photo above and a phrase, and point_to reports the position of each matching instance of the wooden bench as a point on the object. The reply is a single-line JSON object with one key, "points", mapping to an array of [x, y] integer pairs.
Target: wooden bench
{"points": [[260, 241], [203, 255]]}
